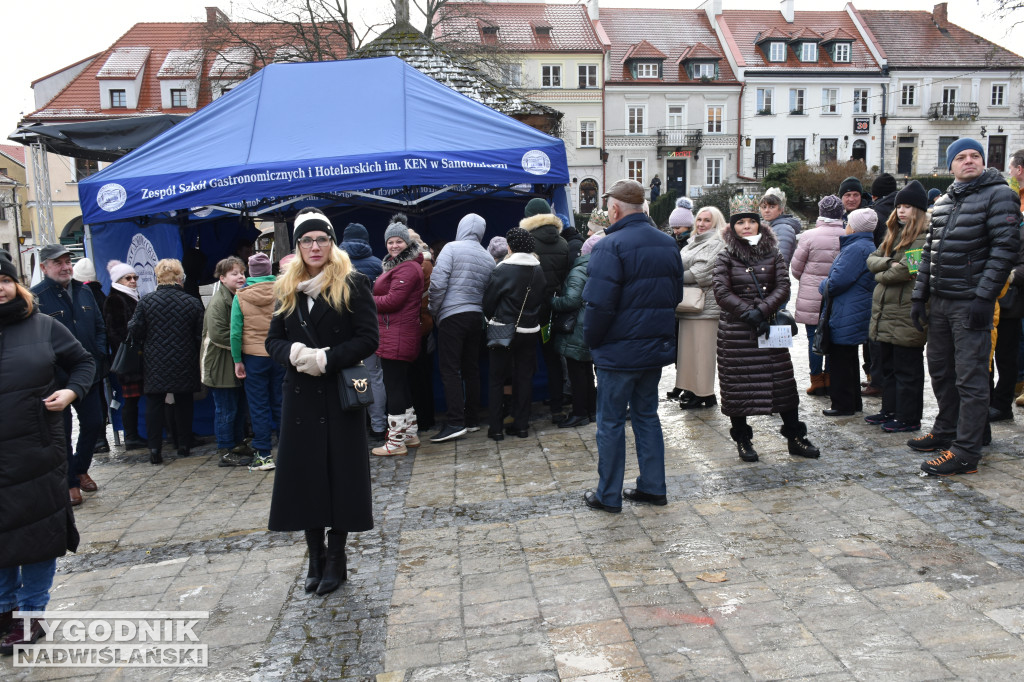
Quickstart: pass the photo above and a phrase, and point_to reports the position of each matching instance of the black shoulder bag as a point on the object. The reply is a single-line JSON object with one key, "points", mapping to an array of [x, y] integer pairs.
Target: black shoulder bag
{"points": [[501, 335], [353, 382], [780, 317], [823, 334], [128, 359]]}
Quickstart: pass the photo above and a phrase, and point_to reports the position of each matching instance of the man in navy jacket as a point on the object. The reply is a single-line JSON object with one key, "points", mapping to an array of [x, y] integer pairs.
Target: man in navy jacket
{"points": [[72, 304], [635, 280]]}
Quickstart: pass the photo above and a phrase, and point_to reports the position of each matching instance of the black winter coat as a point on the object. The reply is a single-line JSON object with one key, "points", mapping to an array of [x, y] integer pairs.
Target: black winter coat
{"points": [[574, 240], [84, 319], [972, 242], [169, 322], [323, 468], [883, 208], [506, 292], [753, 380], [553, 253], [117, 313], [36, 521]]}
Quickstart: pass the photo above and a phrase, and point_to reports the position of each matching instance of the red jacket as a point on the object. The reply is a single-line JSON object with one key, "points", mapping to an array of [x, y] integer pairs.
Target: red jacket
{"points": [[398, 293]]}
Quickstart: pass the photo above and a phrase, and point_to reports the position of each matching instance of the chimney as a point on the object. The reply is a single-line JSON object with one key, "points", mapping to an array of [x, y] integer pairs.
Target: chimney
{"points": [[939, 15], [215, 16], [712, 8], [593, 10], [401, 11], [787, 10]]}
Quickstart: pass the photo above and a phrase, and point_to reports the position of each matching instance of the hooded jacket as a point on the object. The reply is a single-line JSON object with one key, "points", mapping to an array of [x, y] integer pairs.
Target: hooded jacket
{"points": [[812, 261], [972, 242], [890, 302], [786, 228], [849, 284], [515, 293], [363, 260], [397, 294], [553, 253], [217, 365], [461, 273], [251, 312], [572, 345]]}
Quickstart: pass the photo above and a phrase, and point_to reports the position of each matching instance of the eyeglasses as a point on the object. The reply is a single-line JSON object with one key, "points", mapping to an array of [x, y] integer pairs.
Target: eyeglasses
{"points": [[307, 242], [130, 277]]}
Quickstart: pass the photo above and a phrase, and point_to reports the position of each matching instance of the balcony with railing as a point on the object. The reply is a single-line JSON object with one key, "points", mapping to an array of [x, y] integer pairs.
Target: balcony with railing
{"points": [[688, 138], [762, 161], [953, 111]]}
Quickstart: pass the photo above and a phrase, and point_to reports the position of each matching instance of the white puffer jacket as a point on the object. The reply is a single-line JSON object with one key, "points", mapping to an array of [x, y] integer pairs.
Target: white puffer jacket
{"points": [[461, 272]]}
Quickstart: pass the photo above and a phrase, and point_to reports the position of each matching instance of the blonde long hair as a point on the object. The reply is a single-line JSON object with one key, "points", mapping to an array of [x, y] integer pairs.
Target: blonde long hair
{"points": [[335, 288], [917, 224]]}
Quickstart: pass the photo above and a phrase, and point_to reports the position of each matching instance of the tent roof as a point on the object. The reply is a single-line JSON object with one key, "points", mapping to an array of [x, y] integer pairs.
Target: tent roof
{"points": [[322, 127], [106, 140]]}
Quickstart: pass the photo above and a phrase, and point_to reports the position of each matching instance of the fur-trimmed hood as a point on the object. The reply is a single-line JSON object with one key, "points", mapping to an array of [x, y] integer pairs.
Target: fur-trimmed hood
{"points": [[744, 251], [411, 252], [541, 219]]}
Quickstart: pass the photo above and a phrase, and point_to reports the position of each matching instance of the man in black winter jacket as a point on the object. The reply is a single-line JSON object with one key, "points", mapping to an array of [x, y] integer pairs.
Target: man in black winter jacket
{"points": [[972, 244]]}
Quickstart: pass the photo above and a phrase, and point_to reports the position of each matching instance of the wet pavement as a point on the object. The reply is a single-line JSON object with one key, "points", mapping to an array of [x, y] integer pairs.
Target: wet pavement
{"points": [[485, 565]]}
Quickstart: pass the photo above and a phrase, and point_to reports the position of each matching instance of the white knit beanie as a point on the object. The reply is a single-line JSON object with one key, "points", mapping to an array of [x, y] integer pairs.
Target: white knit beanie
{"points": [[84, 271], [117, 270]]}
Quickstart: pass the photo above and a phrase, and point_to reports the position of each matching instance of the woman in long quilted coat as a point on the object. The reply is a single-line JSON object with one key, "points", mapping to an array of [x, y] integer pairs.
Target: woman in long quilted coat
{"points": [[754, 380]]}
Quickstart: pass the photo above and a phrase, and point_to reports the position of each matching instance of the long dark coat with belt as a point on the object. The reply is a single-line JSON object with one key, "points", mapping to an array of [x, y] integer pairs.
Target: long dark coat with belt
{"points": [[36, 521], [753, 380], [323, 468], [169, 322]]}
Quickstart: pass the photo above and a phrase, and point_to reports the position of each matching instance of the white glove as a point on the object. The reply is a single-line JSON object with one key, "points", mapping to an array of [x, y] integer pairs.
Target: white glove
{"points": [[307, 362], [293, 355], [321, 359]]}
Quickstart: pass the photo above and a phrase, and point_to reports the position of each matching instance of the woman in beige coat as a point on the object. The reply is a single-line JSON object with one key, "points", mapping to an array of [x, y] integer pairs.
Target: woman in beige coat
{"points": [[698, 332]]}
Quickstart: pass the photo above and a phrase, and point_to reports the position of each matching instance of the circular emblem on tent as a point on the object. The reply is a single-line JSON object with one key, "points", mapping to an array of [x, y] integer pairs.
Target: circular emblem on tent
{"points": [[142, 256], [536, 162], [111, 197]]}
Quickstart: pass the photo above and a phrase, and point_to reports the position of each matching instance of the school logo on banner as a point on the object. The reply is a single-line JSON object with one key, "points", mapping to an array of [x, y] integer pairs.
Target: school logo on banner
{"points": [[142, 257], [111, 197], [536, 162]]}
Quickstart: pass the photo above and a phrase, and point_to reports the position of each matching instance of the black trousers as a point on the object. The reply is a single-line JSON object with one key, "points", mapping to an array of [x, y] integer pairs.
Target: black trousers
{"points": [[873, 362], [421, 384], [553, 363], [396, 385], [584, 393], [1006, 363], [519, 359], [182, 409], [458, 346], [844, 373], [902, 382], [130, 417]]}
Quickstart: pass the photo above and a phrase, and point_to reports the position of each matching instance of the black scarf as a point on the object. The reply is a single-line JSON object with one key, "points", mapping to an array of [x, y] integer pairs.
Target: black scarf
{"points": [[13, 311]]}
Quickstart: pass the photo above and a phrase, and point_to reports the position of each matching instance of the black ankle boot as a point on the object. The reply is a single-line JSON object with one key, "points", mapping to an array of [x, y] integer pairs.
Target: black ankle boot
{"points": [[155, 457], [317, 558], [796, 437], [698, 401], [742, 435], [335, 568]]}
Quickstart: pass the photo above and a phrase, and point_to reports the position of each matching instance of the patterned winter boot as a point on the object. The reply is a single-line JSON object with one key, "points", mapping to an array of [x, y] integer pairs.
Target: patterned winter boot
{"points": [[395, 443], [412, 439]]}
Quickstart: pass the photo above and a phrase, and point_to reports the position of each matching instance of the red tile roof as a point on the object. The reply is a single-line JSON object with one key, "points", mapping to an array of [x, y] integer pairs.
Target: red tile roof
{"points": [[699, 51], [671, 31], [642, 50], [912, 39], [571, 28], [748, 26], [13, 151], [837, 34]]}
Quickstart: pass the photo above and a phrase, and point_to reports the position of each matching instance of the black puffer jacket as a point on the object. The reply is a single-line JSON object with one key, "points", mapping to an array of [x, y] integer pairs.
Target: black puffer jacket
{"points": [[169, 322], [972, 242], [553, 252], [883, 208], [753, 380], [507, 290], [36, 522]]}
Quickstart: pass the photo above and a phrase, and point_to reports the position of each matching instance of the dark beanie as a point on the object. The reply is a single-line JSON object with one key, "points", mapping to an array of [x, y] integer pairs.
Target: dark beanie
{"points": [[913, 195], [259, 265], [7, 266], [850, 184], [883, 186], [356, 233], [831, 207], [537, 205], [519, 240], [959, 146], [933, 194], [312, 220]]}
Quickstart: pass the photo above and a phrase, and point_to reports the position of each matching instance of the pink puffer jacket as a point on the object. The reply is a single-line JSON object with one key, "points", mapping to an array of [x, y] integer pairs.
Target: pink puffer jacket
{"points": [[815, 252]]}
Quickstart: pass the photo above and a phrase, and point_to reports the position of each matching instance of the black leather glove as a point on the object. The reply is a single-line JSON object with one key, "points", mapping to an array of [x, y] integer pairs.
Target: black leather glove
{"points": [[979, 314], [762, 328], [752, 318], [918, 315]]}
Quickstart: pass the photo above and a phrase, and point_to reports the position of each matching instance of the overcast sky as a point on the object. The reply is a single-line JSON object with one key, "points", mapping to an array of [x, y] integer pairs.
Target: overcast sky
{"points": [[44, 36]]}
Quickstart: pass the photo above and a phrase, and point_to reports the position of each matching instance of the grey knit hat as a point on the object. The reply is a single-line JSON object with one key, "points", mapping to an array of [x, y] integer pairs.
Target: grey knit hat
{"points": [[398, 227]]}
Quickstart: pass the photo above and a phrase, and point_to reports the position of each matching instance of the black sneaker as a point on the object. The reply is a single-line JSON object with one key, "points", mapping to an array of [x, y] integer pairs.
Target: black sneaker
{"points": [[234, 459], [928, 443], [880, 418], [448, 432], [947, 464]]}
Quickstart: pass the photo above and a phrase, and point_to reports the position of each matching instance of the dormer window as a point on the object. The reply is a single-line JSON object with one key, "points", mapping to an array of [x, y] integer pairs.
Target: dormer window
{"points": [[118, 99], [841, 52], [703, 70], [648, 70], [541, 30], [489, 30], [808, 52], [777, 51]]}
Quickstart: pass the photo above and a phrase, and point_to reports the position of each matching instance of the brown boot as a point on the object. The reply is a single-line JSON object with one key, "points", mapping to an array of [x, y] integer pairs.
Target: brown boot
{"points": [[76, 496], [817, 386], [17, 636], [86, 483]]}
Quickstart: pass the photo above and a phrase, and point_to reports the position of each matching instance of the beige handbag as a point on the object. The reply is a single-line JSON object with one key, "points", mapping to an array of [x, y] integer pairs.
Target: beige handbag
{"points": [[693, 301]]}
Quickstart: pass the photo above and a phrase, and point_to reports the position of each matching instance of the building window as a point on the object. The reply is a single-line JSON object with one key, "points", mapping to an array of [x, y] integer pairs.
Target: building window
{"points": [[118, 99], [908, 95], [84, 168], [713, 171], [647, 70], [776, 51], [676, 116], [716, 114], [703, 70], [944, 143], [551, 76], [829, 150], [841, 52], [948, 102], [860, 101], [808, 52], [588, 76], [998, 95], [588, 133], [635, 170], [830, 101], [796, 149], [796, 100], [511, 74], [764, 100], [179, 98], [635, 116]]}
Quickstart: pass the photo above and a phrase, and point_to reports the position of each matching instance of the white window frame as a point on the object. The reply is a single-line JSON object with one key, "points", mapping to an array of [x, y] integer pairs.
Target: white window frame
{"points": [[720, 122], [587, 125], [631, 127], [776, 51], [861, 100], [841, 53], [765, 99], [672, 119], [700, 67], [551, 73], [710, 170], [1003, 89], [830, 101], [635, 167], [794, 98], [511, 74], [586, 75], [911, 90], [808, 52], [648, 70]]}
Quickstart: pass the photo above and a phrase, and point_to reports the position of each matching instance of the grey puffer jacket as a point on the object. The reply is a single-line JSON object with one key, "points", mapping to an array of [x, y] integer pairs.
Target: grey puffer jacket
{"points": [[786, 228], [972, 242], [461, 272], [699, 257]]}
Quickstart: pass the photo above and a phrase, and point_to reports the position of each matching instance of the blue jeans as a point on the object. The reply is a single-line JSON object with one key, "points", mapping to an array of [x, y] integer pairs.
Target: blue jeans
{"points": [[263, 381], [229, 422], [90, 427], [27, 587], [815, 362], [636, 391], [378, 413]]}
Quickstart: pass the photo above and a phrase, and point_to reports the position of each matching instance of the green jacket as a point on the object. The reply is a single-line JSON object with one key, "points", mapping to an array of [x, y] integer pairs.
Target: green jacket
{"points": [[238, 318], [572, 345], [890, 302], [218, 369]]}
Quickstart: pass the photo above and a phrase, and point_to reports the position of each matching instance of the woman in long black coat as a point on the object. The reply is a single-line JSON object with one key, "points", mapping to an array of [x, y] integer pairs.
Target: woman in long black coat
{"points": [[323, 469], [118, 310], [754, 380], [36, 521]]}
